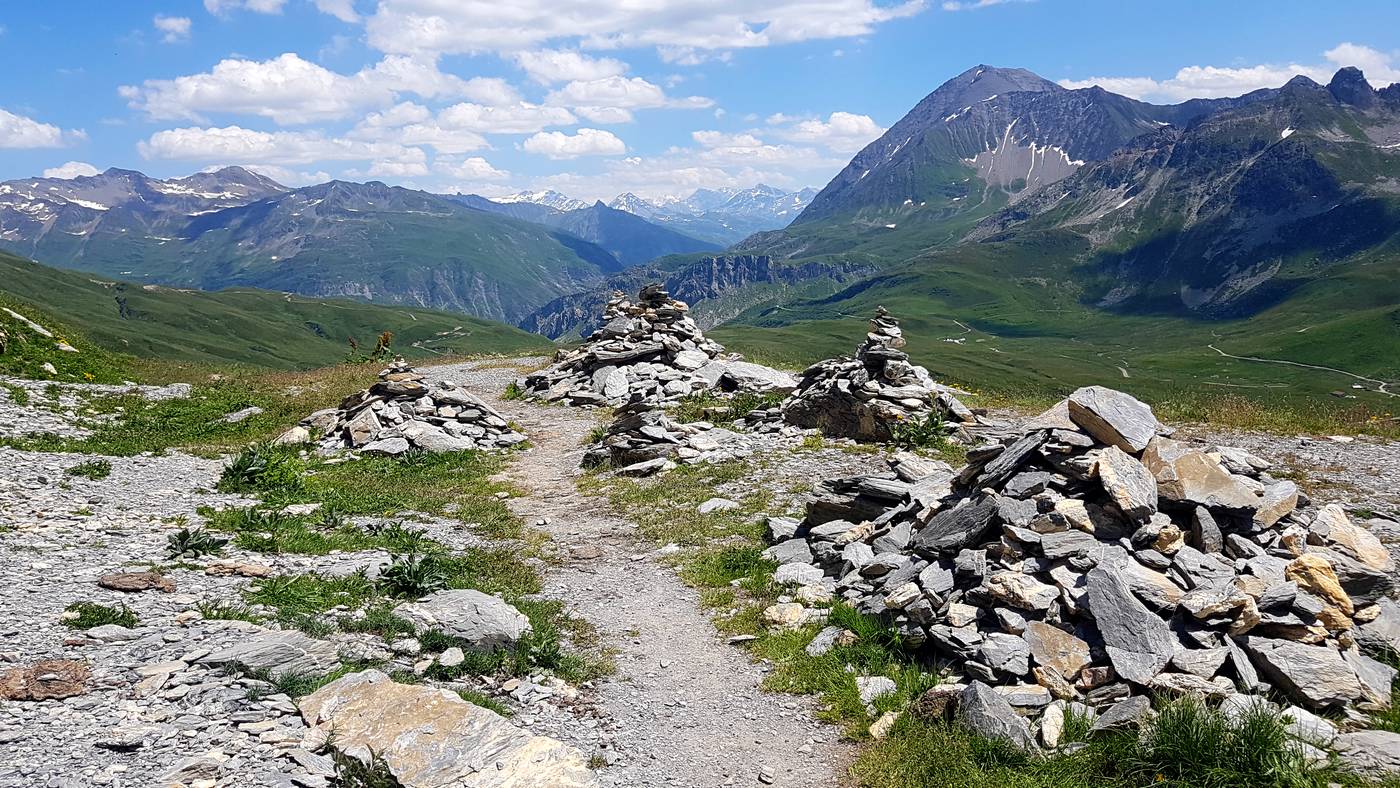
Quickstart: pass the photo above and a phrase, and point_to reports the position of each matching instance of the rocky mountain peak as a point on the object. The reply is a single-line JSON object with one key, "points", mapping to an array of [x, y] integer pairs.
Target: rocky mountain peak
{"points": [[1349, 86]]}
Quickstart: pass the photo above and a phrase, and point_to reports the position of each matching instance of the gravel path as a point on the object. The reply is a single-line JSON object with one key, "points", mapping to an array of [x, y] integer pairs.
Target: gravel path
{"points": [[684, 708]]}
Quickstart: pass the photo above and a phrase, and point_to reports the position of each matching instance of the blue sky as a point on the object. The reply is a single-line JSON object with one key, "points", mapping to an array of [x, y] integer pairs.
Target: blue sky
{"points": [[592, 98]]}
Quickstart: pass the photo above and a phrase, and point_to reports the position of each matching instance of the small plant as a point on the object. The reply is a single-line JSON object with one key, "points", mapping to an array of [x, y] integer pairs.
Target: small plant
{"points": [[86, 615], [413, 575], [193, 543], [513, 392], [398, 538], [260, 469], [92, 469], [351, 772], [332, 520], [928, 432]]}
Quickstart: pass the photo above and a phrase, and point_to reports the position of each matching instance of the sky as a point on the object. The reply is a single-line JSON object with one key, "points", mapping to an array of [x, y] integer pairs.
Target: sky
{"points": [[594, 98]]}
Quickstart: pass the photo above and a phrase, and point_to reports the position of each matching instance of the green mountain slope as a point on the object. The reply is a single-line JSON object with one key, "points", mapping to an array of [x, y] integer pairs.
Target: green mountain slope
{"points": [[243, 325]]}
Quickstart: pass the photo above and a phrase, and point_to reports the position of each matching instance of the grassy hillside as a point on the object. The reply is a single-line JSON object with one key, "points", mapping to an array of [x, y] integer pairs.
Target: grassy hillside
{"points": [[255, 327], [1021, 330]]}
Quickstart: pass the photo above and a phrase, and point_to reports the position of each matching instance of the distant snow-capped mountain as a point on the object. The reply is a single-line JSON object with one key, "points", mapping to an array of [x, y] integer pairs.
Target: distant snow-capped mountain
{"points": [[724, 215], [546, 197]]}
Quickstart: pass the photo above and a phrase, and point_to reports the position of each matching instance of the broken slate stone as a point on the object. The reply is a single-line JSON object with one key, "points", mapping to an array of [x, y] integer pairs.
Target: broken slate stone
{"points": [[1138, 642], [985, 712]]}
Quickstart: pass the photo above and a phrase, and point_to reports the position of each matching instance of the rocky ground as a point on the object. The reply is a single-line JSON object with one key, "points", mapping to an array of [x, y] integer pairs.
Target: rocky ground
{"points": [[683, 708]]}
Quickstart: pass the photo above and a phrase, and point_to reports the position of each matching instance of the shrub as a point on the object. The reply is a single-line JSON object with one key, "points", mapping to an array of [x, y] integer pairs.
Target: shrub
{"points": [[928, 432], [260, 469]]}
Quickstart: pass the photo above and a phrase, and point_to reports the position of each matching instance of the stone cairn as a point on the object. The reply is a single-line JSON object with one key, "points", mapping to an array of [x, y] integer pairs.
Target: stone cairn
{"points": [[642, 441], [866, 396], [402, 412], [1091, 561], [648, 352]]}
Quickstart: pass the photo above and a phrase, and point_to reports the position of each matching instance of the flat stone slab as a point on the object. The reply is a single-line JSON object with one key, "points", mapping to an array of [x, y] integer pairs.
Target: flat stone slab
{"points": [[281, 653], [430, 738]]}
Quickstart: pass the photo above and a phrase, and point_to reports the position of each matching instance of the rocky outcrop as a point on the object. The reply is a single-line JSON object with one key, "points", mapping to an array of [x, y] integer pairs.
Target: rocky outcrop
{"points": [[431, 737], [649, 352], [402, 412], [1092, 558], [869, 396]]}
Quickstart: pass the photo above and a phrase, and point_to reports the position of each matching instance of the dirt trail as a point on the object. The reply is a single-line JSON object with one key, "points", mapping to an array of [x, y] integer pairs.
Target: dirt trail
{"points": [[684, 707]]}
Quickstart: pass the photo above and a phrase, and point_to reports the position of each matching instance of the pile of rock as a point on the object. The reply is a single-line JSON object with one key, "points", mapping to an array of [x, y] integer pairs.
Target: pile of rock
{"points": [[402, 412], [1092, 558], [866, 396], [650, 351], [642, 441]]}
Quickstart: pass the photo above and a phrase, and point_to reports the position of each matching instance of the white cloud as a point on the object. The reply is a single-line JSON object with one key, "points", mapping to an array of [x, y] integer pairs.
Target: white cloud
{"points": [[612, 99], [587, 142], [457, 128], [681, 26], [344, 10], [18, 131], [556, 65], [474, 168], [225, 7], [844, 132], [173, 29], [234, 144], [1218, 81], [71, 169], [285, 175], [290, 90]]}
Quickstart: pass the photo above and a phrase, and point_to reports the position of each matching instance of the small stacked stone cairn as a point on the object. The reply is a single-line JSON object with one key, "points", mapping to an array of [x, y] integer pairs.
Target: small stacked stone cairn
{"points": [[1092, 559], [403, 412], [642, 441], [864, 397], [649, 351]]}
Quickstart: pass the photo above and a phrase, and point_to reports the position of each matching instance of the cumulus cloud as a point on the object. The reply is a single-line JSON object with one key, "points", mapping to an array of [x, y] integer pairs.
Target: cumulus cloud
{"points": [[471, 169], [291, 90], [973, 5], [71, 169], [173, 29], [586, 142], [283, 148], [457, 128], [680, 26], [18, 131], [844, 132], [1218, 81], [549, 66], [612, 99]]}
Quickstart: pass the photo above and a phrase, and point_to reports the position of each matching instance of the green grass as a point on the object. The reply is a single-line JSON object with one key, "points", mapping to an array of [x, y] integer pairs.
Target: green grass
{"points": [[665, 507], [237, 326], [222, 611], [484, 701], [708, 406], [91, 469], [19, 395], [86, 615]]}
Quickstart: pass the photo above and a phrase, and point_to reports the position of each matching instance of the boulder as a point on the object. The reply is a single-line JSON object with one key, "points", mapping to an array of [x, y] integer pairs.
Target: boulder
{"points": [[481, 620], [278, 653], [986, 713], [1139, 643], [1113, 417], [428, 738]]}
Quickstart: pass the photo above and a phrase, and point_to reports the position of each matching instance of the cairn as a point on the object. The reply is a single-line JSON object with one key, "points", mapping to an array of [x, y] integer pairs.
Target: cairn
{"points": [[642, 441], [402, 412], [867, 396], [1092, 560], [648, 352]]}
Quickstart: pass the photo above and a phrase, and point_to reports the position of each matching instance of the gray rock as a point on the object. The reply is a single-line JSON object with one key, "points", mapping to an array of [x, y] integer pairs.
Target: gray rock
{"points": [[1317, 675], [1138, 642], [1375, 753], [1128, 713], [985, 712], [389, 446], [1005, 653], [954, 529], [872, 687], [1128, 483], [284, 652], [1113, 417], [481, 620]]}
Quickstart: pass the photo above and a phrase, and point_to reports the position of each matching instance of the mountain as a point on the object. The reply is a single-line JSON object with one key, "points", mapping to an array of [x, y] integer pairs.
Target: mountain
{"points": [[1222, 249], [548, 198], [722, 216], [629, 238], [338, 239], [238, 326]]}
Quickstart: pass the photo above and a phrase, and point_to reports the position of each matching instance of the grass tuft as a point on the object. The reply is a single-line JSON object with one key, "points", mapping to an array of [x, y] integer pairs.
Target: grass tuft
{"points": [[86, 615]]}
